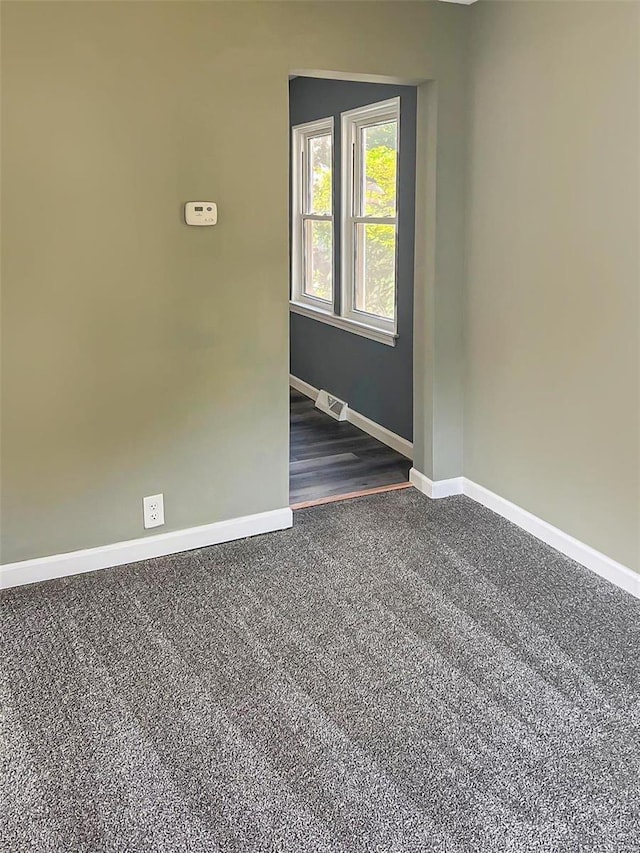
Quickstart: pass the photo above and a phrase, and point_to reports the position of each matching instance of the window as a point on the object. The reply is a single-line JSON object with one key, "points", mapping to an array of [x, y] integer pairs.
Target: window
{"points": [[370, 216], [366, 301], [312, 215]]}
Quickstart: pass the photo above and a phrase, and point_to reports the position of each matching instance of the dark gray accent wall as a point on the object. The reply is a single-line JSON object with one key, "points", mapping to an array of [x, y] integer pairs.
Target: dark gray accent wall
{"points": [[375, 379]]}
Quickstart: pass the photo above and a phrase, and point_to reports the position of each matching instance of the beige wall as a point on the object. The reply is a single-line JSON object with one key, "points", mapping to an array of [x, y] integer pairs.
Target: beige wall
{"points": [[551, 406], [139, 355], [142, 356]]}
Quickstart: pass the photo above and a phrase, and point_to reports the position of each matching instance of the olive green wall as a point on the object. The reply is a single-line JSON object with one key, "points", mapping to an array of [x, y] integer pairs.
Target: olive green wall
{"points": [[551, 405], [143, 356]]}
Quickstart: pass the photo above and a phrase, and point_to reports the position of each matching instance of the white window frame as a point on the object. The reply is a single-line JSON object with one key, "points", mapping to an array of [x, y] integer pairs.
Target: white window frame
{"points": [[367, 325], [299, 186], [353, 122]]}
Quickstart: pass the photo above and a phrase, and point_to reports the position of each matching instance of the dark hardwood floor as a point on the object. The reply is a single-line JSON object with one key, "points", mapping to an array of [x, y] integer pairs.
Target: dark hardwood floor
{"points": [[330, 458]]}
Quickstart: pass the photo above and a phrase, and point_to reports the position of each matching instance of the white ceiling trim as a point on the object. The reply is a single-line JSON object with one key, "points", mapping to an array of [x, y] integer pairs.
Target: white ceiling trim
{"points": [[462, 2]]}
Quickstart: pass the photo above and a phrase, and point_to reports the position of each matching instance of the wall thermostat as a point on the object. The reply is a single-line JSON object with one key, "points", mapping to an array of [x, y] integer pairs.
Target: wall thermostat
{"points": [[200, 213]]}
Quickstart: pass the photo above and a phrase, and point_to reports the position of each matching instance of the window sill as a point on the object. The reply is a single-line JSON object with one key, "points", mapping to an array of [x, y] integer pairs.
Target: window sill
{"points": [[362, 329]]}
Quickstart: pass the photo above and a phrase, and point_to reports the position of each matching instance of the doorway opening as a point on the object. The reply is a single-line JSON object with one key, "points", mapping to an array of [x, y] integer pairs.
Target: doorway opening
{"points": [[352, 238]]}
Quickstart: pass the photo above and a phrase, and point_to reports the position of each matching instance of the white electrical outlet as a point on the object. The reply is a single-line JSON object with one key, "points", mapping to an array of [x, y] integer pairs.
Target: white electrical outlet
{"points": [[153, 508]]}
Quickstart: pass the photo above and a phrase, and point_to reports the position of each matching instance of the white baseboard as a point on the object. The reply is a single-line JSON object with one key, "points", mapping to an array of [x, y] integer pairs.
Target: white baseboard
{"points": [[568, 545], [435, 488], [391, 439], [133, 550], [587, 556], [303, 387]]}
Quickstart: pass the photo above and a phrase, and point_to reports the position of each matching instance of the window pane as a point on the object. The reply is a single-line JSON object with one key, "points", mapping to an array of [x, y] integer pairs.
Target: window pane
{"points": [[318, 259], [379, 158], [375, 279], [319, 174]]}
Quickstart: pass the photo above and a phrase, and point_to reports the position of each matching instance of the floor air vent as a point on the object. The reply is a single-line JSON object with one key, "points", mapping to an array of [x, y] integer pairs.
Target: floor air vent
{"points": [[331, 405]]}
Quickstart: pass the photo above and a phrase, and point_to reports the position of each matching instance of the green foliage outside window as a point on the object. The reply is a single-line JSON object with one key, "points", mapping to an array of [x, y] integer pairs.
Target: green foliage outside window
{"points": [[377, 242]]}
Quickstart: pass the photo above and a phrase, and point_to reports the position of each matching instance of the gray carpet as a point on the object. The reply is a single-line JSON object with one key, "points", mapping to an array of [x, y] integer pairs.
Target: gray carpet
{"points": [[394, 674]]}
